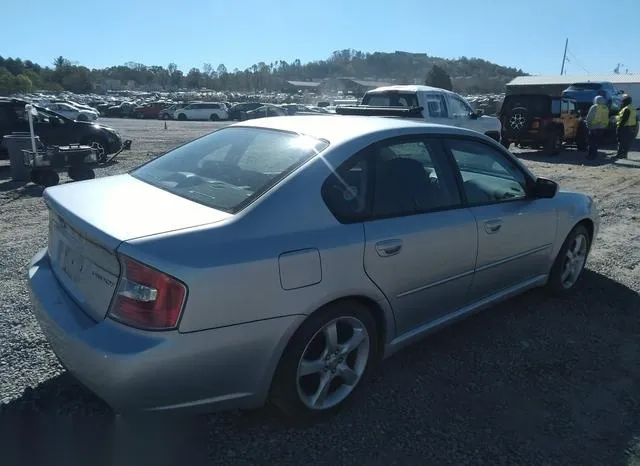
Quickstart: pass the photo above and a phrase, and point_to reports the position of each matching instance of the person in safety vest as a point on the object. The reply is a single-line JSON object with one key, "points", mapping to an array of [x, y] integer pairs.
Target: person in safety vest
{"points": [[597, 121], [626, 123]]}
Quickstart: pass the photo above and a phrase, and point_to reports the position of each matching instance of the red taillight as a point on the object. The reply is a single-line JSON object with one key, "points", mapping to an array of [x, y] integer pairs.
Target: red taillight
{"points": [[146, 298]]}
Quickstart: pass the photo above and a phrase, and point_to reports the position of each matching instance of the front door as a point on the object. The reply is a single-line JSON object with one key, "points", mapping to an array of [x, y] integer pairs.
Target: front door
{"points": [[460, 113], [515, 233], [421, 243]]}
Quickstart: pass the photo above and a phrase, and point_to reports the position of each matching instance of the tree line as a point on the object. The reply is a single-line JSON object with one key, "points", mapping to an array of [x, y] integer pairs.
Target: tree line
{"points": [[466, 74]]}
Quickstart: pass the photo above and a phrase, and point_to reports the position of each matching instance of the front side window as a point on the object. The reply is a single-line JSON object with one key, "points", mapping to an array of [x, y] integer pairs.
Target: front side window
{"points": [[230, 168], [487, 175], [458, 107], [559, 106]]}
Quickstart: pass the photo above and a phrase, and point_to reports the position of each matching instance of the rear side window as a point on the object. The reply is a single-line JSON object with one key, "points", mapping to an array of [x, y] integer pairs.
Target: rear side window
{"points": [[230, 168]]}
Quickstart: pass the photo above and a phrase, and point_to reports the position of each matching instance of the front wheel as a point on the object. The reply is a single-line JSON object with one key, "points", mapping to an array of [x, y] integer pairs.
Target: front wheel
{"points": [[326, 361], [83, 117], [570, 262], [553, 144], [182, 117], [214, 117]]}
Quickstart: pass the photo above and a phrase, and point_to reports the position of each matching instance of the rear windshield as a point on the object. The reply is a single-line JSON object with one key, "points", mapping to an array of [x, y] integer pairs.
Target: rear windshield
{"points": [[585, 86], [391, 99], [229, 168]]}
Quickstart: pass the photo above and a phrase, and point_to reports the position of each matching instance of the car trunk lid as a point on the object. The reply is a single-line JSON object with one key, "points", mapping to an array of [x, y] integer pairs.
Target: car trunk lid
{"points": [[89, 220]]}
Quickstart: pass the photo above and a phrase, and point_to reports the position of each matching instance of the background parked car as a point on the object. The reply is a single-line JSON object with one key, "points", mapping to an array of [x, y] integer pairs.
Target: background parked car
{"points": [[167, 113], [213, 111], [264, 111], [150, 110], [54, 128], [72, 112], [235, 112]]}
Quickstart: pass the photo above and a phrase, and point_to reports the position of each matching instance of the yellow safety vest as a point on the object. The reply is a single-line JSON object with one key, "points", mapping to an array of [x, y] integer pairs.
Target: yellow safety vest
{"points": [[633, 118], [601, 117]]}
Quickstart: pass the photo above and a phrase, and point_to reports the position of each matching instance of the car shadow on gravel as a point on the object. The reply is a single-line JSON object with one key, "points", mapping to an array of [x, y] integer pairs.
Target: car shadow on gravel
{"points": [[606, 156], [535, 380]]}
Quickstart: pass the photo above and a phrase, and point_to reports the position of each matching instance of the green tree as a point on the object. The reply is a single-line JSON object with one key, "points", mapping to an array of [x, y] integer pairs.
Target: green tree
{"points": [[22, 83], [438, 77]]}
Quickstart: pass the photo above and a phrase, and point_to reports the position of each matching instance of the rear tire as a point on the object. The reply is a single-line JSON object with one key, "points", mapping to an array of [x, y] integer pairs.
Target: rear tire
{"points": [[214, 117], [80, 173], [570, 262], [327, 362]]}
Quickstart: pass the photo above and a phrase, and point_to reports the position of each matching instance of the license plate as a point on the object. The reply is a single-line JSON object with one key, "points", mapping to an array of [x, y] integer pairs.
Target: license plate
{"points": [[71, 263]]}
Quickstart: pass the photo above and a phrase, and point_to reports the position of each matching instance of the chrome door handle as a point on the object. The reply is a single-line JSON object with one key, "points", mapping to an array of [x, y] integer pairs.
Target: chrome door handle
{"points": [[492, 226], [389, 247]]}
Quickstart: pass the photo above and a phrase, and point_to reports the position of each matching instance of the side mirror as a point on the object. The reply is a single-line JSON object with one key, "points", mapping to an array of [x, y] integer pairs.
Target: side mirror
{"points": [[545, 188]]}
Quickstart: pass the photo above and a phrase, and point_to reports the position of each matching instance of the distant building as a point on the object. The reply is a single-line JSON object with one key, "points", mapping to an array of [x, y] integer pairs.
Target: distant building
{"points": [[554, 85], [304, 86], [353, 86]]}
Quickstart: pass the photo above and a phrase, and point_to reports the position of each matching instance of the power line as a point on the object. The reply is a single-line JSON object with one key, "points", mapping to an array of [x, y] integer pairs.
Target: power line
{"points": [[577, 61]]}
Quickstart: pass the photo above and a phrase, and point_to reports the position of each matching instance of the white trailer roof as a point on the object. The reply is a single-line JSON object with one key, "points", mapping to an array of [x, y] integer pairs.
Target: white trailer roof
{"points": [[577, 78]]}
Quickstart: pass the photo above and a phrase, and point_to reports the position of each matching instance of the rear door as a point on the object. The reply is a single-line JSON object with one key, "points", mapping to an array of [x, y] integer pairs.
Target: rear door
{"points": [[435, 107], [421, 243], [515, 233]]}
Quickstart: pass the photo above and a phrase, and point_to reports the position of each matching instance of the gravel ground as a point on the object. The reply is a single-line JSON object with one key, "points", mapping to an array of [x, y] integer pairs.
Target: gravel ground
{"points": [[535, 380]]}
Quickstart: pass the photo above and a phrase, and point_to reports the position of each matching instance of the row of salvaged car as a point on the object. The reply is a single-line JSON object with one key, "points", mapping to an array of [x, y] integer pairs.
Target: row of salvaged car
{"points": [[201, 110]]}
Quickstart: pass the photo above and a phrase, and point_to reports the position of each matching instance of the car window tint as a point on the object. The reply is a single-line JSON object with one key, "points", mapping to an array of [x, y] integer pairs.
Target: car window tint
{"points": [[231, 167], [391, 99], [411, 177], [558, 107], [346, 191], [487, 175]]}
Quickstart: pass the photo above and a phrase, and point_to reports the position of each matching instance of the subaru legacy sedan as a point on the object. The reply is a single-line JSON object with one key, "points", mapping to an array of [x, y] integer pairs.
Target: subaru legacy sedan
{"points": [[281, 259]]}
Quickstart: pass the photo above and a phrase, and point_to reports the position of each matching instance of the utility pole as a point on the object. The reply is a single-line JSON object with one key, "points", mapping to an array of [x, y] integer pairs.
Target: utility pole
{"points": [[564, 57]]}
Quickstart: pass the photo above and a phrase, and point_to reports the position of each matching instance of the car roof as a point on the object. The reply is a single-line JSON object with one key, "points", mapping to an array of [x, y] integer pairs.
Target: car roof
{"points": [[410, 88], [338, 129]]}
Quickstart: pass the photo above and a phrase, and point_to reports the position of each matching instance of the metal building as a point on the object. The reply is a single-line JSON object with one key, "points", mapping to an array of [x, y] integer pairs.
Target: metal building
{"points": [[554, 85]]}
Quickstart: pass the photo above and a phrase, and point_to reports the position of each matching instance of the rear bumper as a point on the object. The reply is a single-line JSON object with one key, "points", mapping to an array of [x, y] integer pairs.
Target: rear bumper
{"points": [[132, 370]]}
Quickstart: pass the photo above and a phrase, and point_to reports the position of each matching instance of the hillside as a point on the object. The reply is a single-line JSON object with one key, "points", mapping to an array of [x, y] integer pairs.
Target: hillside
{"points": [[469, 75]]}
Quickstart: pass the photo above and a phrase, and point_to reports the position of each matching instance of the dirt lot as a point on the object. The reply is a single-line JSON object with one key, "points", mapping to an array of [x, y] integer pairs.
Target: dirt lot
{"points": [[535, 380]]}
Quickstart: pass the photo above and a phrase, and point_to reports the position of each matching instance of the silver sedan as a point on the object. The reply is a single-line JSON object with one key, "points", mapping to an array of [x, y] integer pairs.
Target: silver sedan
{"points": [[280, 259]]}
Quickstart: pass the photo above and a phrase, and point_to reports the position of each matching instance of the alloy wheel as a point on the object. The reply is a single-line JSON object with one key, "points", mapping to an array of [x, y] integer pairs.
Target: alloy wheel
{"points": [[573, 261], [333, 363]]}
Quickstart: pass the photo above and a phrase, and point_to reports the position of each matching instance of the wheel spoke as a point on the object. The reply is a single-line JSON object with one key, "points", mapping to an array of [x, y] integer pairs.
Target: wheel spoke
{"points": [[323, 389], [358, 337], [577, 246], [331, 336], [566, 273], [347, 374], [310, 367]]}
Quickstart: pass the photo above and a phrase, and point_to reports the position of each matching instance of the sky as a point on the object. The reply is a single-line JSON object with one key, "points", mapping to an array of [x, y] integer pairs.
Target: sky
{"points": [[239, 33]]}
